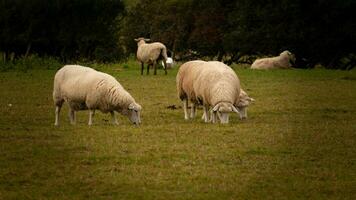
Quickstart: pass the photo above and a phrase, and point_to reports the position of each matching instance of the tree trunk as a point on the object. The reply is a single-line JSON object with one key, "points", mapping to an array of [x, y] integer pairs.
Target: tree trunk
{"points": [[4, 56], [28, 49]]}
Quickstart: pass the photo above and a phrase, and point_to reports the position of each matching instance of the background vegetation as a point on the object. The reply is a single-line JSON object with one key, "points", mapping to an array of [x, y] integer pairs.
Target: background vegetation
{"points": [[322, 31], [298, 142]]}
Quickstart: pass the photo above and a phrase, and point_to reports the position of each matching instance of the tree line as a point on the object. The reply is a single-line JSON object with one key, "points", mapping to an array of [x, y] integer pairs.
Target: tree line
{"points": [[320, 31]]}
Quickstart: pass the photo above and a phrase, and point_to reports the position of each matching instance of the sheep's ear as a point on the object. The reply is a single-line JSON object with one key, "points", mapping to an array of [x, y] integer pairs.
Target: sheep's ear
{"points": [[216, 107], [147, 40], [251, 99], [136, 39], [131, 106]]}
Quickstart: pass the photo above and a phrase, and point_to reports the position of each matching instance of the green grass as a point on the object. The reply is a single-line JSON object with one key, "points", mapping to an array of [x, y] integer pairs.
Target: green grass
{"points": [[299, 141]]}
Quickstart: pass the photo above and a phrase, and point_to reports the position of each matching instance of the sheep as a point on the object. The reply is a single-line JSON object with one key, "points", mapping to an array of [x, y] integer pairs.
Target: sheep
{"points": [[169, 63], [211, 84], [241, 105], [150, 53], [283, 61], [84, 88]]}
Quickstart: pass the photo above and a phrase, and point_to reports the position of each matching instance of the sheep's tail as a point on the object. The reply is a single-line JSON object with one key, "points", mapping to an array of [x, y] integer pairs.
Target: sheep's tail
{"points": [[57, 97], [179, 84]]}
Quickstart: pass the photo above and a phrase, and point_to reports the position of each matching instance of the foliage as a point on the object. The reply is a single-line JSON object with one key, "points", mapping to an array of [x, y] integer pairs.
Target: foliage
{"points": [[318, 32], [31, 62], [69, 29]]}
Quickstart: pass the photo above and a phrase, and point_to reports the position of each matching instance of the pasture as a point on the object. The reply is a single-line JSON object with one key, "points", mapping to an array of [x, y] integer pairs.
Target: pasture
{"points": [[299, 141]]}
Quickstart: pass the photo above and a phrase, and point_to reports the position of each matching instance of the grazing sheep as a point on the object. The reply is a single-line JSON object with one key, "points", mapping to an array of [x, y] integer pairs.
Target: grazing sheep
{"points": [[283, 61], [211, 84], [169, 63], [242, 104], [87, 89], [150, 53]]}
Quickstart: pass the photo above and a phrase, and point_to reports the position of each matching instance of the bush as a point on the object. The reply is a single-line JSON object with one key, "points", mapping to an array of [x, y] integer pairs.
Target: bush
{"points": [[31, 62]]}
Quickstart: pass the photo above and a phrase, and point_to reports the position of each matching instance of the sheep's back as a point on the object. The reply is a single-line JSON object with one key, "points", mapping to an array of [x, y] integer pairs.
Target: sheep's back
{"points": [[75, 82], [150, 52], [217, 82]]}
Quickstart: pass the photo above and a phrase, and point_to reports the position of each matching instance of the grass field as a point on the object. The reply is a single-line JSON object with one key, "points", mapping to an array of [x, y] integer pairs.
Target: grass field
{"points": [[299, 141]]}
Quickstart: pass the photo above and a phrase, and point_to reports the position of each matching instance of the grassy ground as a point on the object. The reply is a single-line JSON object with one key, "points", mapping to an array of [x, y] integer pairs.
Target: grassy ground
{"points": [[298, 143]]}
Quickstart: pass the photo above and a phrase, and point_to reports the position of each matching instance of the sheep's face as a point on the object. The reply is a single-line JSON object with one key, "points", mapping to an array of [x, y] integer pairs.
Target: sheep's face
{"points": [[243, 103], [223, 110], [290, 56], [134, 113]]}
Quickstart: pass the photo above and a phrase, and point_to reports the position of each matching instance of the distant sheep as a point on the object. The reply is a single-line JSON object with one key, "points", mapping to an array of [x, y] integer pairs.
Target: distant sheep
{"points": [[87, 89], [150, 53], [211, 84], [283, 61], [169, 63]]}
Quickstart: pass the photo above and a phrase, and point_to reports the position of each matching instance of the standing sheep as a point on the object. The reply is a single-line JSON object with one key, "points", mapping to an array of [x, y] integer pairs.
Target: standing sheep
{"points": [[243, 103], [87, 89], [150, 53], [283, 61], [211, 84]]}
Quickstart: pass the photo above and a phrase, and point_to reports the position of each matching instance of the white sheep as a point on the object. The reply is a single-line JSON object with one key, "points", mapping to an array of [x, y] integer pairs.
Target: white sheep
{"points": [[283, 61], [150, 53], [241, 105], [169, 63], [211, 84], [87, 89]]}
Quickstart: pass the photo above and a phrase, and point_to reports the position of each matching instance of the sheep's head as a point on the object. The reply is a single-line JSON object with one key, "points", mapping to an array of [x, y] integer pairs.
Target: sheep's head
{"points": [[290, 56], [141, 40], [222, 110], [134, 113], [243, 103]]}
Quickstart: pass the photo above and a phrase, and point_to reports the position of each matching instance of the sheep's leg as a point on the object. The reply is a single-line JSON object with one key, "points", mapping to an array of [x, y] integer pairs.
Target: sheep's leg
{"points": [[193, 110], [155, 68], [215, 116], [72, 116], [58, 110], [165, 66], [114, 119], [206, 113], [142, 67], [185, 108], [91, 115]]}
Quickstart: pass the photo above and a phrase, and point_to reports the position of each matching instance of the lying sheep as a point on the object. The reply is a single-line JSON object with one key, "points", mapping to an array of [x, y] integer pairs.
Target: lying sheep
{"points": [[150, 53], [87, 89], [211, 84], [283, 61]]}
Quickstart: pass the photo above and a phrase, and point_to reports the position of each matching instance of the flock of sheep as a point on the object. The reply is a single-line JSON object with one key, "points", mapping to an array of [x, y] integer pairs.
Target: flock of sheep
{"points": [[212, 84]]}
